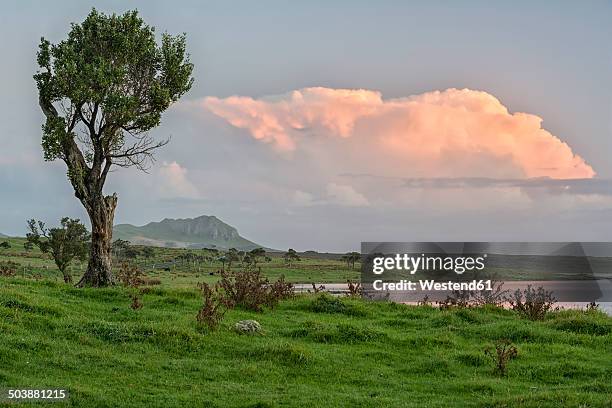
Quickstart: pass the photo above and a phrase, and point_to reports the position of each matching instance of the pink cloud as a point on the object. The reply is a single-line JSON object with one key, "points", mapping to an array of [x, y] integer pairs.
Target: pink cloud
{"points": [[455, 132], [173, 181]]}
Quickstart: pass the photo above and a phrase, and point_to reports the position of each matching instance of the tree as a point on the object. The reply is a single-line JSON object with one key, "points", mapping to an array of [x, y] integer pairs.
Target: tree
{"points": [[350, 258], [65, 243], [231, 256], [254, 256], [290, 256], [119, 247], [101, 90], [5, 245], [148, 252]]}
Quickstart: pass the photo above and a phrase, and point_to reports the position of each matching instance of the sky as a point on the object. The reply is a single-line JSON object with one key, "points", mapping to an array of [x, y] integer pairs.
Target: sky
{"points": [[318, 125]]}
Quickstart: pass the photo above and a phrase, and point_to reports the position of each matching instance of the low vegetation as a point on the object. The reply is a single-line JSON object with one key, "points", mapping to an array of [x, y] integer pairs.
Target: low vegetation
{"points": [[316, 350], [245, 331]]}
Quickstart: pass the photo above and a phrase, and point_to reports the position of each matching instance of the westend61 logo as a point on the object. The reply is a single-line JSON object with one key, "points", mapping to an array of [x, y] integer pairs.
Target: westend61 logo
{"points": [[413, 264]]}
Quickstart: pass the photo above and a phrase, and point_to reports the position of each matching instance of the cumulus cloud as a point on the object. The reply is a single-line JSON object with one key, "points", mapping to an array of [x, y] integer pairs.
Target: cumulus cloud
{"points": [[173, 182], [346, 195], [450, 133], [302, 198]]}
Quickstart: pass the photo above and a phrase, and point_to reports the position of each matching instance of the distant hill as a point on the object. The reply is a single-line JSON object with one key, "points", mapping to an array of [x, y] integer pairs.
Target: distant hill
{"points": [[201, 232], [3, 236]]}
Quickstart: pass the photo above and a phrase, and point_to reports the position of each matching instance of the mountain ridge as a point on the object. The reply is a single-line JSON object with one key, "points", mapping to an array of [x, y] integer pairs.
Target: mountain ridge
{"points": [[205, 231]]}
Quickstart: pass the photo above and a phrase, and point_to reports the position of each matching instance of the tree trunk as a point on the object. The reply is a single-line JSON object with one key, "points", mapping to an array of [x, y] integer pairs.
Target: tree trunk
{"points": [[101, 214]]}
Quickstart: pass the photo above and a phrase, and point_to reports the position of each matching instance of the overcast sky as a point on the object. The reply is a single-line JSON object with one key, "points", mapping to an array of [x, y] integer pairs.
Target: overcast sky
{"points": [[318, 125]]}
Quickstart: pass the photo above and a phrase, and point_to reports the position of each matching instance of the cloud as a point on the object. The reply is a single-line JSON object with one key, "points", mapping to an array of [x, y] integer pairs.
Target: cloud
{"points": [[450, 133], [346, 195], [302, 199], [173, 182]]}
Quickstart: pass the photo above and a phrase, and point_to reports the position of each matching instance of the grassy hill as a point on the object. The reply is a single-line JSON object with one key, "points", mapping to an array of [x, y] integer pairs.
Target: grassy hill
{"points": [[201, 232], [3, 236], [367, 354]]}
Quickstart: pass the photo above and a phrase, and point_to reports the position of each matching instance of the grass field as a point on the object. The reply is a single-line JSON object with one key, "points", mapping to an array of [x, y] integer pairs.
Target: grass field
{"points": [[361, 354], [367, 354]]}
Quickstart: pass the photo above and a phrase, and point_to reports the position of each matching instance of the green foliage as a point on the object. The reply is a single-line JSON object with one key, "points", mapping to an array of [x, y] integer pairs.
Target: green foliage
{"points": [[112, 77], [350, 258], [5, 245], [68, 242], [101, 90], [291, 256], [253, 257]]}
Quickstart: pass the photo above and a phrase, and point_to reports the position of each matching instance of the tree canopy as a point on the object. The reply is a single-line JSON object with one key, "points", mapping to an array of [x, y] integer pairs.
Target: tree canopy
{"points": [[65, 243]]}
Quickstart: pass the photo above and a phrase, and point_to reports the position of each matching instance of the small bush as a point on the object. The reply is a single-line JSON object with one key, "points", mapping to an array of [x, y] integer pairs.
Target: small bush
{"points": [[315, 289], [136, 302], [215, 305], [250, 290], [130, 275], [425, 301], [354, 289], [592, 307], [457, 299], [503, 353], [532, 304], [8, 268], [494, 297]]}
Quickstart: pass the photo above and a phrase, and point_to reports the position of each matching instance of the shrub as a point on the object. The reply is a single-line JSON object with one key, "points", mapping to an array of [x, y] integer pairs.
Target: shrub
{"points": [[136, 302], [249, 290], [503, 353], [592, 307], [532, 304], [214, 307], [354, 288], [494, 297], [8, 268], [457, 299], [424, 302], [130, 275], [316, 289], [281, 290]]}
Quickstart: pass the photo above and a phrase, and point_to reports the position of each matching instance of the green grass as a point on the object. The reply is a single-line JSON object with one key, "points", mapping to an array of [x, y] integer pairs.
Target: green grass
{"points": [[314, 352]]}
